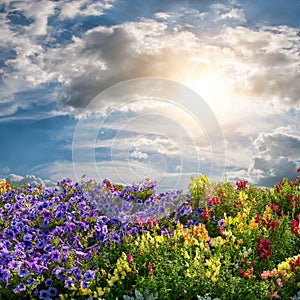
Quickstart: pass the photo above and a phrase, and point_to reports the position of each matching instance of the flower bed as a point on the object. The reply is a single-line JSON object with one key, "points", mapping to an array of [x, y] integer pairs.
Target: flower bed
{"points": [[103, 241]]}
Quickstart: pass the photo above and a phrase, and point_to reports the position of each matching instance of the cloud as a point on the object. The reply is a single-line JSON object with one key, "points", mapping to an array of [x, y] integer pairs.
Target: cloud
{"points": [[138, 155], [29, 179], [276, 156], [281, 142], [266, 65], [258, 65], [267, 171], [70, 10]]}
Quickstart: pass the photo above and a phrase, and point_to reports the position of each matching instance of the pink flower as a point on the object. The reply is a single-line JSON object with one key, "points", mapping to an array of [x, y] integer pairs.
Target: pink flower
{"points": [[265, 275], [283, 272], [275, 295], [279, 282], [129, 257], [149, 267]]}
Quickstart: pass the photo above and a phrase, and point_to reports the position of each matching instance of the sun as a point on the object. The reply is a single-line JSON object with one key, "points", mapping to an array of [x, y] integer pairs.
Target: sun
{"points": [[205, 86], [215, 90]]}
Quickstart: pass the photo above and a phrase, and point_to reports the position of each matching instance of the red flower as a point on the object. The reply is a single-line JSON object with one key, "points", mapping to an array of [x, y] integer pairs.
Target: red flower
{"points": [[129, 257], [298, 170], [263, 249], [241, 185], [295, 227], [205, 215]]}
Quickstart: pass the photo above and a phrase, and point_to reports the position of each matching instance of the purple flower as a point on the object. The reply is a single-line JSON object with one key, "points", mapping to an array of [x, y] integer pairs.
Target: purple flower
{"points": [[44, 295], [221, 223], [84, 284], [68, 283], [101, 237], [4, 275], [31, 281], [89, 275], [15, 229], [48, 282], [27, 237], [23, 273], [29, 197], [40, 244], [59, 273], [14, 264], [104, 229], [26, 229], [27, 244], [8, 233], [58, 215], [19, 288], [48, 248], [134, 231], [55, 255], [46, 223], [52, 292]]}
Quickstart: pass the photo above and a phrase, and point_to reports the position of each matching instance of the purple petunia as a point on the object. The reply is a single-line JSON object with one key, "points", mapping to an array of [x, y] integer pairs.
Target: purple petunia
{"points": [[55, 255], [84, 284], [48, 282], [52, 292], [48, 248], [68, 283], [89, 275], [44, 295], [221, 222], [23, 273], [20, 288]]}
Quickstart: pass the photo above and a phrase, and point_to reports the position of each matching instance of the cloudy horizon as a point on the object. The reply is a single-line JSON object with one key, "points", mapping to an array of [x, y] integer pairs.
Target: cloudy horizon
{"points": [[127, 90]]}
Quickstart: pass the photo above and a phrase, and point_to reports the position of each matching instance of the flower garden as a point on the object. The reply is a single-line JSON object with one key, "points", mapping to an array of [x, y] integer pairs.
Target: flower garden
{"points": [[103, 241]]}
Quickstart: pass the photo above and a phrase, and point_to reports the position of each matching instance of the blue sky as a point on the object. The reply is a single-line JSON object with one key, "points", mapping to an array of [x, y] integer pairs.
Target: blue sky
{"points": [[161, 89]]}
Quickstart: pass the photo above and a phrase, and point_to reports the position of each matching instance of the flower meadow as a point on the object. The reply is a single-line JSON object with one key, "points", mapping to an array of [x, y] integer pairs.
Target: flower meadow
{"points": [[92, 240]]}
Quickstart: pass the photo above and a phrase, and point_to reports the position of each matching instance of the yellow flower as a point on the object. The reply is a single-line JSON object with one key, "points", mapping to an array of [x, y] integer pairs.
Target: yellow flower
{"points": [[207, 273], [283, 266], [100, 291], [240, 241], [159, 239], [188, 274], [213, 279], [243, 196], [208, 263], [253, 224], [186, 255], [110, 282], [85, 292], [239, 227], [204, 179]]}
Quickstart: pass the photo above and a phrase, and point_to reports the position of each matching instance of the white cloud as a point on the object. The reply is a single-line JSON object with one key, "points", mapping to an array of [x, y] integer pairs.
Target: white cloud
{"points": [[281, 142], [276, 156], [70, 10], [259, 66], [29, 179], [138, 155]]}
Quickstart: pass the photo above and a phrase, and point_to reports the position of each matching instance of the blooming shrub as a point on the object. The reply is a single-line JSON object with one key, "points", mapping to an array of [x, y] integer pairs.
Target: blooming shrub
{"points": [[105, 241]]}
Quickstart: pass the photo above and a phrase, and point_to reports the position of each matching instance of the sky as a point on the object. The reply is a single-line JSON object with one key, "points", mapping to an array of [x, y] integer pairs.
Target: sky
{"points": [[132, 89]]}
